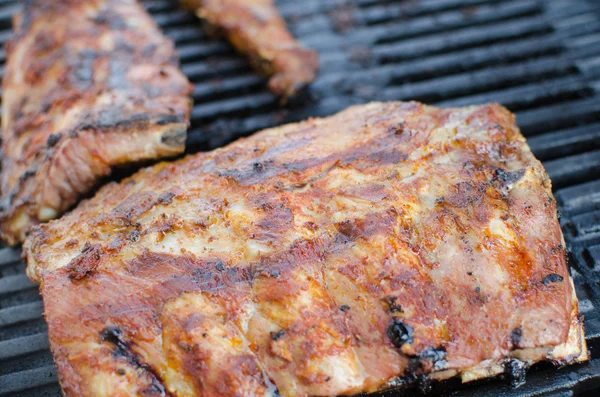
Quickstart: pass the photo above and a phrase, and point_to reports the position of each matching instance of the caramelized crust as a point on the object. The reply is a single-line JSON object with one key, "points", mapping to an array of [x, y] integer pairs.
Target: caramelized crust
{"points": [[256, 29], [333, 256], [89, 85]]}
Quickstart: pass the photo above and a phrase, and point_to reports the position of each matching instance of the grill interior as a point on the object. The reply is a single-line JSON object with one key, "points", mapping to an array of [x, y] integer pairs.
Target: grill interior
{"points": [[539, 58]]}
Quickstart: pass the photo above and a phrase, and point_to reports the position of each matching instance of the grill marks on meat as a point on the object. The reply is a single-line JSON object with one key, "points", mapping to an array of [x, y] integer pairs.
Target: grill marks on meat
{"points": [[304, 261], [256, 29], [88, 86]]}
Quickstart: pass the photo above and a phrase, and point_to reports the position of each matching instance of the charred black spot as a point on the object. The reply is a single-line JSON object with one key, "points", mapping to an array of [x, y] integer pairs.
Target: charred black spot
{"points": [[134, 236], [254, 173], [273, 389], [83, 127], [121, 371], [392, 305], [516, 336], [53, 139], [277, 335], [154, 389], [507, 177], [122, 350], [26, 175], [399, 333], [258, 167], [121, 347], [515, 370], [429, 360], [344, 308], [552, 278], [434, 358]]}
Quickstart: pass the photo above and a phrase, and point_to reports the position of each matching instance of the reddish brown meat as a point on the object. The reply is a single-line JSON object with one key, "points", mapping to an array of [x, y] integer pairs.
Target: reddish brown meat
{"points": [[89, 85], [256, 29], [328, 257]]}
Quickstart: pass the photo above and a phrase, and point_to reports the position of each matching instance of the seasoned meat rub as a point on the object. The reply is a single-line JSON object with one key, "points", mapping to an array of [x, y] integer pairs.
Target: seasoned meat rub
{"points": [[256, 29], [89, 85], [333, 256]]}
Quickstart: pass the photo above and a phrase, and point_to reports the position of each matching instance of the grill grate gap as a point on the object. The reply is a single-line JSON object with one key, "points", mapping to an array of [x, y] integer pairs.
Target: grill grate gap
{"points": [[501, 32], [458, 20], [413, 8]]}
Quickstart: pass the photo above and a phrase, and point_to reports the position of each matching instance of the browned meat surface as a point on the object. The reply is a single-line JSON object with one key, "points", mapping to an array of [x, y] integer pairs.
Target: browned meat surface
{"points": [[88, 85], [256, 29], [321, 258]]}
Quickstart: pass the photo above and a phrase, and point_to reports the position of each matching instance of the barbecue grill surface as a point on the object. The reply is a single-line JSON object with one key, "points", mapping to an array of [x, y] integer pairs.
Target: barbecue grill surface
{"points": [[540, 58]]}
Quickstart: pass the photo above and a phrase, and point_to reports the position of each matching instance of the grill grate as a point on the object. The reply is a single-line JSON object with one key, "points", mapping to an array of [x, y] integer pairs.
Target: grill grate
{"points": [[540, 58]]}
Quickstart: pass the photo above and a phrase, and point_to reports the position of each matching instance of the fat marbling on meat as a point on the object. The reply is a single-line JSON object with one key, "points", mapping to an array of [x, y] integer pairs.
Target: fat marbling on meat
{"points": [[332, 256]]}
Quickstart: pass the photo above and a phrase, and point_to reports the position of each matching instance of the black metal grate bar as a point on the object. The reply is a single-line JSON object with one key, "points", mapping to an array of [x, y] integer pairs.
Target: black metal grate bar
{"points": [[20, 314]]}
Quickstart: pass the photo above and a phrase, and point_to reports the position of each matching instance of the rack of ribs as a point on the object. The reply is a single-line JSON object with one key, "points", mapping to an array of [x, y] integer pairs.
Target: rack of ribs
{"points": [[387, 243], [256, 29], [88, 86]]}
